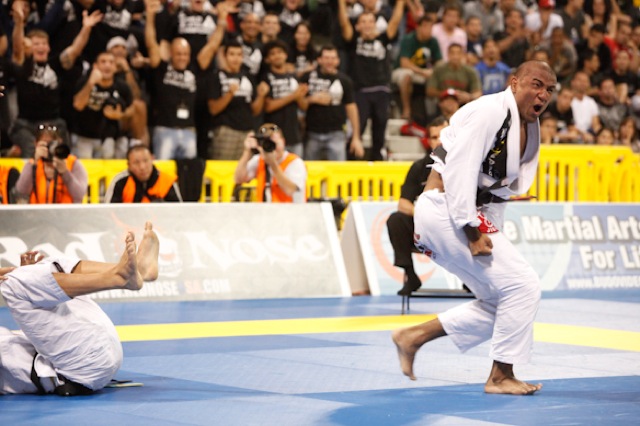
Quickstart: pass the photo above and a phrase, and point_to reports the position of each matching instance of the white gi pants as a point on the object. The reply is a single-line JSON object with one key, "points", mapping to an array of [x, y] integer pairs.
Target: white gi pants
{"points": [[73, 337], [506, 287]]}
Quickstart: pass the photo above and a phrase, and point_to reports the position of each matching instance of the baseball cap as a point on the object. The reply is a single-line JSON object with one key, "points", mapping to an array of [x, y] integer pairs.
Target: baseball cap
{"points": [[449, 93], [116, 41], [547, 4]]}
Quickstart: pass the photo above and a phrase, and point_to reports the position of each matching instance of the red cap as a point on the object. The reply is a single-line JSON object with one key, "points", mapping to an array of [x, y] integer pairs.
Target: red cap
{"points": [[449, 92], [547, 4]]}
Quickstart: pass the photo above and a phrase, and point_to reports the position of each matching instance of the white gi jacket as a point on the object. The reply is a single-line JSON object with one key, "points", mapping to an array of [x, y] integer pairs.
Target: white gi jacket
{"points": [[471, 136]]}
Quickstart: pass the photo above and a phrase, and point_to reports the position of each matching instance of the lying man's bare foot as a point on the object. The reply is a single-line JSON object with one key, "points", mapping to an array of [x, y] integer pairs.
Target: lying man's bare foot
{"points": [[127, 268], [148, 254], [406, 351], [511, 387]]}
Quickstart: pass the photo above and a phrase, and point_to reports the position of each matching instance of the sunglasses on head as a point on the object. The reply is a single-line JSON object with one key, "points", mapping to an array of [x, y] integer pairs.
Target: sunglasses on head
{"points": [[48, 127], [265, 129]]}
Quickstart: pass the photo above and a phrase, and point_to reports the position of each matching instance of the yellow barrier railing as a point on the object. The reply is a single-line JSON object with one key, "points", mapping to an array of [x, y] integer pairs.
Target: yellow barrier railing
{"points": [[565, 173]]}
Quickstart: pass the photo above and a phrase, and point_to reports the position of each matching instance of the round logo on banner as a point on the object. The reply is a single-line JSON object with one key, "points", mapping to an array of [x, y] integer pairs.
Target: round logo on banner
{"points": [[380, 236]]}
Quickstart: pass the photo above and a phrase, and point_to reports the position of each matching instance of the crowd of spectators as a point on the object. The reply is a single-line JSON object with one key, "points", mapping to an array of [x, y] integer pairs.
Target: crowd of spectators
{"points": [[192, 78]]}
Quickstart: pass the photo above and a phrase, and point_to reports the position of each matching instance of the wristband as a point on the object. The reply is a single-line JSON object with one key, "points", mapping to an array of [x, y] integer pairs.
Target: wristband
{"points": [[473, 234]]}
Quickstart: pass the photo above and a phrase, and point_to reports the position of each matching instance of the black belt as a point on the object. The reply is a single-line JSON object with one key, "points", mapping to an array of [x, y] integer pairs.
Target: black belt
{"points": [[69, 388], [483, 196]]}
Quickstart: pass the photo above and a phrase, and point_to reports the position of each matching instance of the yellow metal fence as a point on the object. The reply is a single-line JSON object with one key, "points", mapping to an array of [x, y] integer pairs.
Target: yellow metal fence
{"points": [[565, 173]]}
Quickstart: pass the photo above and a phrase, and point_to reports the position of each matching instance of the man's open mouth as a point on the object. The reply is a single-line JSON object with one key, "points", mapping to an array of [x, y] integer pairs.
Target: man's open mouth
{"points": [[537, 108]]}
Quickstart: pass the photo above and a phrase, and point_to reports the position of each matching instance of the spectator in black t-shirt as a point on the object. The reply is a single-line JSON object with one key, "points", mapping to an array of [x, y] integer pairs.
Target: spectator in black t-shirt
{"points": [[249, 40], [595, 42], [269, 29], [611, 111], [285, 95], [102, 101], [175, 88], [627, 82], [369, 66], [234, 101], [293, 13], [562, 112], [5, 144], [302, 54], [513, 42], [329, 102], [118, 22], [202, 31], [39, 79], [194, 24], [136, 124]]}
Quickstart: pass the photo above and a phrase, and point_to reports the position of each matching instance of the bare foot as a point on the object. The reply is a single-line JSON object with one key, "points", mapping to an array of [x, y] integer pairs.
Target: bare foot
{"points": [[511, 386], [127, 268], [406, 351], [148, 254], [503, 381]]}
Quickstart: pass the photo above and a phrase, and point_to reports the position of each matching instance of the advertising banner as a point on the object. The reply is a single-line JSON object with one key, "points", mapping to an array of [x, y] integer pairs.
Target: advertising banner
{"points": [[571, 246], [207, 251]]}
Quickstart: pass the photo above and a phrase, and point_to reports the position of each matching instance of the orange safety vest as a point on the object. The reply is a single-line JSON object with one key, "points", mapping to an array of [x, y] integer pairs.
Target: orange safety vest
{"points": [[44, 195], [4, 184], [277, 194], [160, 189]]}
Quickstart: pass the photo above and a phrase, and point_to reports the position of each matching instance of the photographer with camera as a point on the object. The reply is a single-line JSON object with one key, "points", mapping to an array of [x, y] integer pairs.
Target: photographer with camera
{"points": [[281, 175], [54, 175]]}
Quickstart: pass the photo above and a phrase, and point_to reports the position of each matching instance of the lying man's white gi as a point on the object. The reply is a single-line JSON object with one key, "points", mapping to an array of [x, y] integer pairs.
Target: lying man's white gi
{"points": [[506, 287], [74, 338]]}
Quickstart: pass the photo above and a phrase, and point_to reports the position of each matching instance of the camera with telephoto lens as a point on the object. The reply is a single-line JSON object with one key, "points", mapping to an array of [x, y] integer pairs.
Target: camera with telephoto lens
{"points": [[59, 150], [265, 142]]}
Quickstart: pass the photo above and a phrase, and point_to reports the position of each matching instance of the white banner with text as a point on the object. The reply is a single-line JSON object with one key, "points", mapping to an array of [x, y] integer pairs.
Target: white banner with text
{"points": [[207, 251], [572, 246]]}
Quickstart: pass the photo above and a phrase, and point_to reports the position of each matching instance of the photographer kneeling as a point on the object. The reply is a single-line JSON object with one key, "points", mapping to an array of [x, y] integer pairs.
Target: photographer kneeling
{"points": [[53, 176], [281, 175]]}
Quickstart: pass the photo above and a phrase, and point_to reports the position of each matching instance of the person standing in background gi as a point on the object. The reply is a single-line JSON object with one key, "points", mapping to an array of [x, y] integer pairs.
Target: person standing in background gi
{"points": [[490, 153]]}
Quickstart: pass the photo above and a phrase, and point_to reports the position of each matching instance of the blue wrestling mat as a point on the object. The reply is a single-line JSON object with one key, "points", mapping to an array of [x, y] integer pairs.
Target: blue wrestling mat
{"points": [[332, 362]]}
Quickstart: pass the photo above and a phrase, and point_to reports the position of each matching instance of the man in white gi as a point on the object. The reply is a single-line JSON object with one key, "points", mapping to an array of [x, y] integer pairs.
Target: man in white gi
{"points": [[67, 344], [490, 153]]}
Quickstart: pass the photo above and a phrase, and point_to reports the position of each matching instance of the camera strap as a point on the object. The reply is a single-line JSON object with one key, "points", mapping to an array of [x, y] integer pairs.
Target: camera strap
{"points": [[267, 183]]}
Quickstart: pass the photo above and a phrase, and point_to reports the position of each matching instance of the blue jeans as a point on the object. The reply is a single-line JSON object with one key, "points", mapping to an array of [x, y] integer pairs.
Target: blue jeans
{"points": [[330, 146], [173, 144]]}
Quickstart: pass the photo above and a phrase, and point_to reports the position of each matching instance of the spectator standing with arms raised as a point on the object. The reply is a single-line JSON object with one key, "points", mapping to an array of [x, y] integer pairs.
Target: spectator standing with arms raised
{"points": [[39, 78], [176, 84], [369, 65]]}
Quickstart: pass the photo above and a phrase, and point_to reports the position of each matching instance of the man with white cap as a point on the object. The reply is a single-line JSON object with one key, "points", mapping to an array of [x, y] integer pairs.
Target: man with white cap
{"points": [[136, 125]]}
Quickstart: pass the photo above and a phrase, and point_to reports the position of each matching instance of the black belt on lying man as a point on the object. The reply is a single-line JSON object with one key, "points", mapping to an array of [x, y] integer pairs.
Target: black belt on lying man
{"points": [[69, 388], [483, 196]]}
